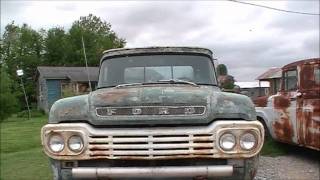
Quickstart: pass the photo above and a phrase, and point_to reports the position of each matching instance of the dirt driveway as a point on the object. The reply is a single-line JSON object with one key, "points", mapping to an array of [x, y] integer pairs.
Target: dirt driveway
{"points": [[298, 164]]}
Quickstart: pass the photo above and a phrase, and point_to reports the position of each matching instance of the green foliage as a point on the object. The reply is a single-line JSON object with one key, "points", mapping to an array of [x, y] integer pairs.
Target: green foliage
{"points": [[22, 48], [226, 81], [97, 35], [25, 48], [57, 47], [34, 113], [8, 100], [222, 70]]}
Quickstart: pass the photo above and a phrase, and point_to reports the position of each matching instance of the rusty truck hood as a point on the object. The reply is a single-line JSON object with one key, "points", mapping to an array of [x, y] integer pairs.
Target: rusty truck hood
{"points": [[189, 105], [150, 96]]}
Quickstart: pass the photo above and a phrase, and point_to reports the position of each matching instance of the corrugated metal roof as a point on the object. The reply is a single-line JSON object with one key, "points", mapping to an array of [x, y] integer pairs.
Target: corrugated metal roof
{"points": [[270, 74], [77, 74], [253, 84]]}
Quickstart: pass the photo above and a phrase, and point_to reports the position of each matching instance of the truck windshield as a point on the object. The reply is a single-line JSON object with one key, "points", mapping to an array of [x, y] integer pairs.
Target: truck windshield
{"points": [[156, 69]]}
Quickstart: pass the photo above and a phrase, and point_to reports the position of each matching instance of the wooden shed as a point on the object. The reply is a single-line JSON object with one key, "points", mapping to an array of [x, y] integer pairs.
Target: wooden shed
{"points": [[273, 76], [58, 82]]}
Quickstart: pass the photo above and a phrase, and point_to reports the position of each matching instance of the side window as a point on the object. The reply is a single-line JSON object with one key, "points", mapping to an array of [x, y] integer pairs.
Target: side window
{"points": [[290, 80], [317, 75]]}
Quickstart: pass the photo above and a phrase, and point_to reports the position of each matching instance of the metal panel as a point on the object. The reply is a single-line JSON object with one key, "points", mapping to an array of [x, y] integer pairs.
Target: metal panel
{"points": [[153, 142], [166, 171]]}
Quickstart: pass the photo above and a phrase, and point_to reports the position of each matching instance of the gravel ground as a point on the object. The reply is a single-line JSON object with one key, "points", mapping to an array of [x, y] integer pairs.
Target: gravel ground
{"points": [[301, 165]]}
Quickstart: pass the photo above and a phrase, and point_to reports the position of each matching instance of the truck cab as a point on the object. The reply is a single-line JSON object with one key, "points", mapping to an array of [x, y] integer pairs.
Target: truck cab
{"points": [[157, 113], [293, 114]]}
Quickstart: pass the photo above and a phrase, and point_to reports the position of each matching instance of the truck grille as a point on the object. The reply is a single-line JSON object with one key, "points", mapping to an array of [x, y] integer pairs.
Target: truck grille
{"points": [[151, 146]]}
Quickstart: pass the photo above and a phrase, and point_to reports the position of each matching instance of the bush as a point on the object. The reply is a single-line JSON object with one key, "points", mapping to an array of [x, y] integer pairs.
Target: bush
{"points": [[8, 98], [34, 113]]}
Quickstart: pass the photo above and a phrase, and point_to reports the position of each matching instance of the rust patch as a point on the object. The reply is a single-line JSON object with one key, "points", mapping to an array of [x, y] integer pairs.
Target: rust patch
{"points": [[261, 101], [281, 102], [308, 117], [306, 77], [112, 96], [283, 128], [69, 111]]}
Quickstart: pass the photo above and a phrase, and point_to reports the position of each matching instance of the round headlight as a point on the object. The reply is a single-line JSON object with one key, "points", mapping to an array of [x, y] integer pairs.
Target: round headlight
{"points": [[248, 141], [75, 143], [227, 141], [56, 143]]}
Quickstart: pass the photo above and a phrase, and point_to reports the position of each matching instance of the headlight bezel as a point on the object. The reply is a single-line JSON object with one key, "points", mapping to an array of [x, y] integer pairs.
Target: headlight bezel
{"points": [[66, 135], [81, 144], [230, 134], [255, 142], [53, 135], [238, 132]]}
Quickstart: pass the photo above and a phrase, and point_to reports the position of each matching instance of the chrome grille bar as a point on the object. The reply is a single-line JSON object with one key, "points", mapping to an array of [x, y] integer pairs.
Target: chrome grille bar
{"points": [[151, 146]]}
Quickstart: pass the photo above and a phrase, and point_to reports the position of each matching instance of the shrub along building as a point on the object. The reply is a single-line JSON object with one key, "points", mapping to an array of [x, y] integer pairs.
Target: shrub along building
{"points": [[58, 82]]}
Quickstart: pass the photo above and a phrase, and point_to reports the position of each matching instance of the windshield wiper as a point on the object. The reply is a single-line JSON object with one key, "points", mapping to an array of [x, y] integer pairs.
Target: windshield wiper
{"points": [[136, 84], [130, 84], [160, 81], [178, 81]]}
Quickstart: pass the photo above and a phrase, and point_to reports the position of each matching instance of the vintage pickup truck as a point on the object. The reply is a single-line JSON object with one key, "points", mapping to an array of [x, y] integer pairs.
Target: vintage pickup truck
{"points": [[157, 113], [293, 114]]}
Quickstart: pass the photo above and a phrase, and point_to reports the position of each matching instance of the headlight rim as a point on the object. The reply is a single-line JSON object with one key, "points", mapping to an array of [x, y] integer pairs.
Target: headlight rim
{"points": [[235, 141], [256, 140], [49, 144], [82, 143]]}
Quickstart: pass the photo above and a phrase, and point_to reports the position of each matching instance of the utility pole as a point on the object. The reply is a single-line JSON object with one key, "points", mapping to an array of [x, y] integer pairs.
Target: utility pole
{"points": [[20, 74], [85, 59]]}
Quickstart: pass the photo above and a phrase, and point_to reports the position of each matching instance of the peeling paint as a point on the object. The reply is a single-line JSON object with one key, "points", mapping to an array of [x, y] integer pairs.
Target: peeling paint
{"points": [[297, 112]]}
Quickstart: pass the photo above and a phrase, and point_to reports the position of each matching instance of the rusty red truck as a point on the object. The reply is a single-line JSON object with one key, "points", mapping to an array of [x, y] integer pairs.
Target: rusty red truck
{"points": [[293, 114]]}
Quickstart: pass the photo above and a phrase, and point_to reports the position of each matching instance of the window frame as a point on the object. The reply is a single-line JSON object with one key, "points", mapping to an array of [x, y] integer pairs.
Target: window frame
{"points": [[286, 82]]}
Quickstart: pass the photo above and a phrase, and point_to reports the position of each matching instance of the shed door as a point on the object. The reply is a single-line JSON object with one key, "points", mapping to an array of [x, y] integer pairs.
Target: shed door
{"points": [[54, 91]]}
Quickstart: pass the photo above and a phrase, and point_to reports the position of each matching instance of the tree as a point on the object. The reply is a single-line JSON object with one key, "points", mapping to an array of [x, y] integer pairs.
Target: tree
{"points": [[8, 100], [222, 70], [226, 81], [57, 47], [22, 48], [25, 48], [97, 35]]}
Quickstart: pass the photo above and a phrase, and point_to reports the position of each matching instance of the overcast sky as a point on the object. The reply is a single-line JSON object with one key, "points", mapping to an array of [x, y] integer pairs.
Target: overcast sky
{"points": [[248, 39]]}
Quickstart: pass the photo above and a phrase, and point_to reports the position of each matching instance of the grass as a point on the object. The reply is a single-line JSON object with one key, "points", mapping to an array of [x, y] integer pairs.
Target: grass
{"points": [[21, 152], [273, 148], [22, 157]]}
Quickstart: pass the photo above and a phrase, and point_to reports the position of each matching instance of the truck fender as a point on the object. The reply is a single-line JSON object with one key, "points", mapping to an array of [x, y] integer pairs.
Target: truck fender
{"points": [[265, 119]]}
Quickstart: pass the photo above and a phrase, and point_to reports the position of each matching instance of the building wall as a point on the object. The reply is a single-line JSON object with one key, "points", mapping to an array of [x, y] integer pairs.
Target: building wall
{"points": [[254, 92], [68, 89], [42, 96]]}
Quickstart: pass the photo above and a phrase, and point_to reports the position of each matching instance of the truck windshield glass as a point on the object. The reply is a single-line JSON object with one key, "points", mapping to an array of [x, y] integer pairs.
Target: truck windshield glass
{"points": [[154, 68]]}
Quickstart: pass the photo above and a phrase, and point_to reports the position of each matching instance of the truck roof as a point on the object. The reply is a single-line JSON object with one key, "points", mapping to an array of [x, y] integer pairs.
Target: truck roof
{"points": [[301, 62], [156, 50]]}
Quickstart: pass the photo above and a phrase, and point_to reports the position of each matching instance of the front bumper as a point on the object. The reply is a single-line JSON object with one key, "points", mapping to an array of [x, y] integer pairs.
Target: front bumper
{"points": [[149, 172]]}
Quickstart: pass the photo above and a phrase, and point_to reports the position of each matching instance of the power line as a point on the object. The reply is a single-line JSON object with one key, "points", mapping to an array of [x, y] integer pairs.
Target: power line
{"points": [[272, 8]]}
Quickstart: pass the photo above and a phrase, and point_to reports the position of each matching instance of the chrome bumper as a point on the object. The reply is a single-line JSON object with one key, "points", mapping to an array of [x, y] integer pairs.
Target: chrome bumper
{"points": [[165, 171]]}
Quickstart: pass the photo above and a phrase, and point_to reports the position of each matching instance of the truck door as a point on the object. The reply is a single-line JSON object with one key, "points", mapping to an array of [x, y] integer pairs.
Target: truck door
{"points": [[284, 123], [308, 106]]}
